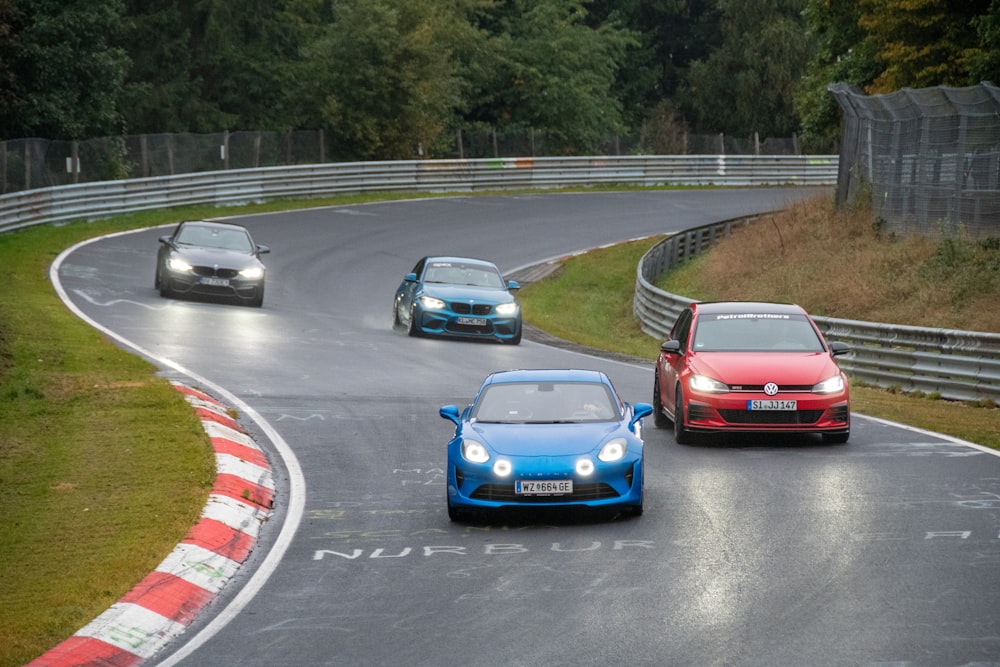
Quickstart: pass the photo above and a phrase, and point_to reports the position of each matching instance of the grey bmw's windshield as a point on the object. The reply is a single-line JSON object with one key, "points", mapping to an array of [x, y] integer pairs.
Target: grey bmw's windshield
{"points": [[755, 332], [546, 403]]}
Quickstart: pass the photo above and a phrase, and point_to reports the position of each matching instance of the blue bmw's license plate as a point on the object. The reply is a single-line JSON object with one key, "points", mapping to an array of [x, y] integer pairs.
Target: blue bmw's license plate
{"points": [[543, 487], [471, 321]]}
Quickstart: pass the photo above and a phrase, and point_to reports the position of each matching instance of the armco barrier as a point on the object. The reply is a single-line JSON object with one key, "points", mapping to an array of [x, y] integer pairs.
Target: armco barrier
{"points": [[957, 365], [92, 201]]}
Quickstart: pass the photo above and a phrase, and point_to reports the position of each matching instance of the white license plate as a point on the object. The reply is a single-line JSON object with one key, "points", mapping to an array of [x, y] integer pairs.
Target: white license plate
{"points": [[215, 282], [471, 321], [772, 405], [543, 487]]}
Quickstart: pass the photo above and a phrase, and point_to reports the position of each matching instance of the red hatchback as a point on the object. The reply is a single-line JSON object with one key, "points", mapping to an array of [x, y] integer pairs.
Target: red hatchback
{"points": [[750, 367]]}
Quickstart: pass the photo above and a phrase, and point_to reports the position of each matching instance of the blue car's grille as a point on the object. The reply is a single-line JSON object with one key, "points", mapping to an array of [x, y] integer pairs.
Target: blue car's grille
{"points": [[771, 416], [505, 493], [471, 308]]}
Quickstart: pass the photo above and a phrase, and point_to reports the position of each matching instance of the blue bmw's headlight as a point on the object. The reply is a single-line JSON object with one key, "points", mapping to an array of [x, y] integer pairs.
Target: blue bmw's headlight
{"points": [[253, 273], [613, 450], [831, 385], [474, 451], [177, 264], [431, 303], [507, 308]]}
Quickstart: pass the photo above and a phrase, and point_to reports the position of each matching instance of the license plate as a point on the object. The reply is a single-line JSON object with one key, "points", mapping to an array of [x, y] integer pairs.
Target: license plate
{"points": [[215, 282], [772, 405], [543, 487], [472, 321]]}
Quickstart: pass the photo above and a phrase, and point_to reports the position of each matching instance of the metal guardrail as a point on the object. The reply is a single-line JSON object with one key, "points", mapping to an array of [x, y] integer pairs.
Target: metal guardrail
{"points": [[91, 201], [957, 365]]}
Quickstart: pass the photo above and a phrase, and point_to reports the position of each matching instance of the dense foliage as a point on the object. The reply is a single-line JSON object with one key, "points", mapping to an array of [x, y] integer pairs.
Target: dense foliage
{"points": [[389, 79]]}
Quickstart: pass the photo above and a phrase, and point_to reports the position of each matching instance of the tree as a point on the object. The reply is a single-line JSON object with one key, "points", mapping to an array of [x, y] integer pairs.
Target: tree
{"points": [[748, 84], [64, 71], [385, 78], [922, 43], [557, 74]]}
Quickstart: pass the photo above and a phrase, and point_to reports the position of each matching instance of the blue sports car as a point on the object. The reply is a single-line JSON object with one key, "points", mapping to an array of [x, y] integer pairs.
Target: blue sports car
{"points": [[457, 296], [545, 438]]}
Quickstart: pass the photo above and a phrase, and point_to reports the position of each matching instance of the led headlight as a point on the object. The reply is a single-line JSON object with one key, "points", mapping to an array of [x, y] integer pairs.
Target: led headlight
{"points": [[507, 308], [706, 385], [831, 385], [253, 273], [584, 467], [474, 451], [502, 468], [177, 264], [613, 450], [431, 303]]}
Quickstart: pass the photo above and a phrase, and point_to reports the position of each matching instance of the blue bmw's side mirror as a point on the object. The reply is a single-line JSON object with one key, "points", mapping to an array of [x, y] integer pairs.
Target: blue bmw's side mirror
{"points": [[410, 277]]}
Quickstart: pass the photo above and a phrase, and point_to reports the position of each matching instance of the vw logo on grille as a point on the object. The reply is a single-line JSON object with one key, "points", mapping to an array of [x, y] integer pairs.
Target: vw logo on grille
{"points": [[770, 389]]}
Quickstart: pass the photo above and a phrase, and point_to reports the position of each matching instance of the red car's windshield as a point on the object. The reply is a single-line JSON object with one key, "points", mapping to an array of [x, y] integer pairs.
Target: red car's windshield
{"points": [[755, 332]]}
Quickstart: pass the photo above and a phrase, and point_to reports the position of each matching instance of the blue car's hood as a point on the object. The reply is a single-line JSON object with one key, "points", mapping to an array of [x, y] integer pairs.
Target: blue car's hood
{"points": [[542, 439], [466, 293]]}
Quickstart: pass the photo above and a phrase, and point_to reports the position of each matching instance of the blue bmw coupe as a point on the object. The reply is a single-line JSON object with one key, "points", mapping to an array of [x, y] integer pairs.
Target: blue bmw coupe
{"points": [[457, 296], [536, 438]]}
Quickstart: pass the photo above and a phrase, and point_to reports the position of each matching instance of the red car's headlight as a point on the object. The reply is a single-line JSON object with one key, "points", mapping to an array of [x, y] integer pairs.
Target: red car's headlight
{"points": [[831, 385], [706, 385]]}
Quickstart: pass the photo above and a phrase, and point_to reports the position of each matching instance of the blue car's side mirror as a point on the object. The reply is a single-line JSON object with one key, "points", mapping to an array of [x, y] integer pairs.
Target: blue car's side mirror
{"points": [[513, 285], [450, 412], [410, 277], [640, 410]]}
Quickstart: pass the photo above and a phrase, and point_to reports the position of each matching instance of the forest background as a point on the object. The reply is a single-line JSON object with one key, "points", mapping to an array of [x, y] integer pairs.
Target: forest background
{"points": [[389, 78]]}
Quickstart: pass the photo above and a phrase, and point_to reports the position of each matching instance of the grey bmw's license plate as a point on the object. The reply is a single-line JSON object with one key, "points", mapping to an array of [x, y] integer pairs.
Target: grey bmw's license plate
{"points": [[215, 282], [471, 321]]}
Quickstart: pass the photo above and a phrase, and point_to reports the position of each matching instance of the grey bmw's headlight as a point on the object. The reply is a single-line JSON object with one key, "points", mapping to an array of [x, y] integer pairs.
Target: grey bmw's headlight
{"points": [[831, 385], [253, 273], [431, 303], [507, 308], [177, 264]]}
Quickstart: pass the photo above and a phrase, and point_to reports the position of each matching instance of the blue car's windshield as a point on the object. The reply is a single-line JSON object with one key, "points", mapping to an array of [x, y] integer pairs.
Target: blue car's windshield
{"points": [[546, 403], [457, 273]]}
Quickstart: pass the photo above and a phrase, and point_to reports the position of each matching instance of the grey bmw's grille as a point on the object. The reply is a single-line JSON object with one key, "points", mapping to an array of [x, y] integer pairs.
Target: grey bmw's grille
{"points": [[210, 272]]}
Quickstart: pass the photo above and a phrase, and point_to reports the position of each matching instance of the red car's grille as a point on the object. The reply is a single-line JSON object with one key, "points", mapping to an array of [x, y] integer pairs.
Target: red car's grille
{"points": [[505, 493], [771, 416], [759, 388]]}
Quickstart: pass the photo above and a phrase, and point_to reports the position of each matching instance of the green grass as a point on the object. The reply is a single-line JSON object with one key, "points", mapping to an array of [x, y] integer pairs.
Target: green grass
{"points": [[104, 467]]}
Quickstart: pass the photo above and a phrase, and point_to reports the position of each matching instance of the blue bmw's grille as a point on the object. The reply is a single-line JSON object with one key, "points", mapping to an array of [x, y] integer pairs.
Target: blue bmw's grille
{"points": [[471, 308]]}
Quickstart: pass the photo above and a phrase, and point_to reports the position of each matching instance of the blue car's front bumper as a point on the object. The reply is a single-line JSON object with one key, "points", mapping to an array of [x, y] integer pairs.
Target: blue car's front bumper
{"points": [[445, 322], [476, 486]]}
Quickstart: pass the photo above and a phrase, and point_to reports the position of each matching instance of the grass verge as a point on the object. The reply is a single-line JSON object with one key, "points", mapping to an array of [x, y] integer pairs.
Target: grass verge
{"points": [[832, 263]]}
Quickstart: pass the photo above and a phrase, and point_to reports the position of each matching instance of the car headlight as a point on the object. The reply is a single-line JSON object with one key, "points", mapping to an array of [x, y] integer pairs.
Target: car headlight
{"points": [[613, 450], [831, 385], [584, 467], [474, 451], [706, 385], [507, 308], [431, 303], [502, 468], [253, 273], [177, 264]]}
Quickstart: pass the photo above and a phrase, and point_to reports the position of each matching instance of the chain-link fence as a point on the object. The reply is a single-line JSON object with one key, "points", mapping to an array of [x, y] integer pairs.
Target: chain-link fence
{"points": [[38, 163], [929, 158]]}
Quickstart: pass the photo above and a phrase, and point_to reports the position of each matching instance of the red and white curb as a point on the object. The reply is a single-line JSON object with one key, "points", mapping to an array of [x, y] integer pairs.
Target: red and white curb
{"points": [[162, 605]]}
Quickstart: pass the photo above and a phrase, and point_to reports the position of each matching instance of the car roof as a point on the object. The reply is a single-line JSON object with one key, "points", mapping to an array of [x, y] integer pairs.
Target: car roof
{"points": [[547, 375], [467, 260], [714, 307], [212, 223]]}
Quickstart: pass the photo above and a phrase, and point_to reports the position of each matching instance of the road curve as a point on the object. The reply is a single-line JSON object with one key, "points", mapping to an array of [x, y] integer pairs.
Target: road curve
{"points": [[759, 552]]}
